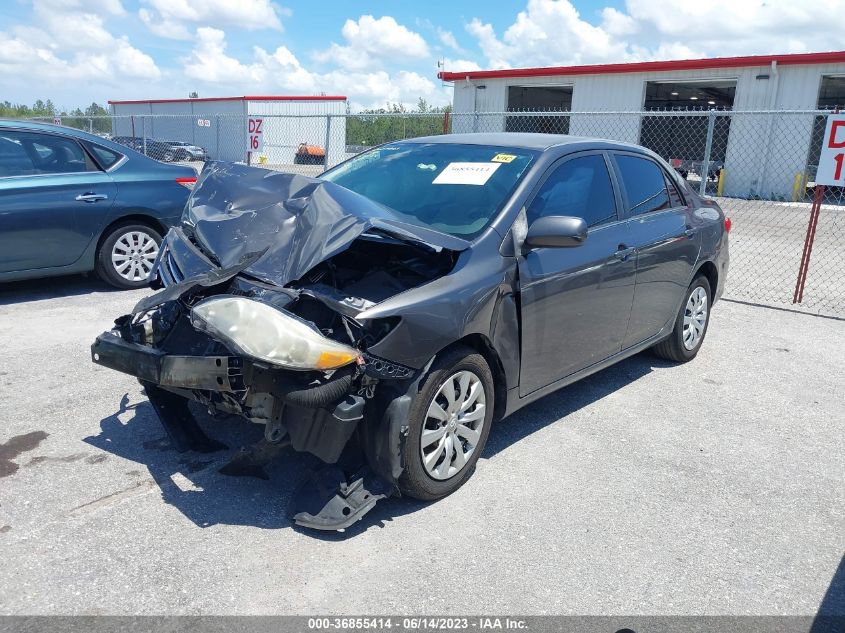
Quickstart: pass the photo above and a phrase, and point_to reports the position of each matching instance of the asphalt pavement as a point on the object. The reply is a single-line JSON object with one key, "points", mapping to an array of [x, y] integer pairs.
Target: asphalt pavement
{"points": [[715, 487]]}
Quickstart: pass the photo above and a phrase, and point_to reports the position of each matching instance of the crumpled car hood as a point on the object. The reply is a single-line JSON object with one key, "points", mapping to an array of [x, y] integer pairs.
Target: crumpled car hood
{"points": [[286, 223]]}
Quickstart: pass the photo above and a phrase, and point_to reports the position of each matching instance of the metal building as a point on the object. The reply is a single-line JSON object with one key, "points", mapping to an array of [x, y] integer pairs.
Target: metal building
{"points": [[219, 124], [763, 83]]}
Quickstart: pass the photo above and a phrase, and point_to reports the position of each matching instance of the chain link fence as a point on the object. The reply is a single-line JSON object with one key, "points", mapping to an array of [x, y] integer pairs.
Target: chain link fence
{"points": [[759, 166]]}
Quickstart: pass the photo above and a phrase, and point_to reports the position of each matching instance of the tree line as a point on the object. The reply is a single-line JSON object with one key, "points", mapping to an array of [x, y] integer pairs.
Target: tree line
{"points": [[367, 128], [370, 127], [77, 117]]}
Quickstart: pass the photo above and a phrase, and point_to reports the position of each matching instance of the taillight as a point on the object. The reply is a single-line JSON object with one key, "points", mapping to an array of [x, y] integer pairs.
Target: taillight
{"points": [[187, 182], [728, 225]]}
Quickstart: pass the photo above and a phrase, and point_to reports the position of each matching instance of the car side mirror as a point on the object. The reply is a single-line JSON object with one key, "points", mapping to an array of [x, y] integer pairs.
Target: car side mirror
{"points": [[556, 231]]}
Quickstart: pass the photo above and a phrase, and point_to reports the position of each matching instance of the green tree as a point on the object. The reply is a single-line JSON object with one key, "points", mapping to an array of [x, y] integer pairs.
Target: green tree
{"points": [[394, 122]]}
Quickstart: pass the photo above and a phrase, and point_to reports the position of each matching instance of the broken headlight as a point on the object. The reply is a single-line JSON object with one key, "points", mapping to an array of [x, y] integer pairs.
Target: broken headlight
{"points": [[263, 332]]}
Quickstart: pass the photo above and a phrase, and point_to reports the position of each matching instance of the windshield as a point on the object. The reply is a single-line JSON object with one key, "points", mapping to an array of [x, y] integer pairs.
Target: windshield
{"points": [[455, 189]]}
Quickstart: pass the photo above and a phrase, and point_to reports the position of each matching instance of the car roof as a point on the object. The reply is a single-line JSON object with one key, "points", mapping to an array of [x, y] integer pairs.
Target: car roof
{"points": [[38, 126], [527, 140]]}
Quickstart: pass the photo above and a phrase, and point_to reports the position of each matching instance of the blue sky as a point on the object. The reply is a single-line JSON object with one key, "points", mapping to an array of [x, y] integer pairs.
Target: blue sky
{"points": [[78, 51]]}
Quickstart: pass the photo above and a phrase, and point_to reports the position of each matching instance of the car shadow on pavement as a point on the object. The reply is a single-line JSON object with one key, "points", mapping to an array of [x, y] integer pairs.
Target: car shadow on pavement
{"points": [[51, 288], [560, 404], [831, 614], [191, 482]]}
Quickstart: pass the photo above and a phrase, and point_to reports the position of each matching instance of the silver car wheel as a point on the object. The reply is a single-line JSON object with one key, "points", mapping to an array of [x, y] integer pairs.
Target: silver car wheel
{"points": [[452, 427], [695, 318], [133, 255]]}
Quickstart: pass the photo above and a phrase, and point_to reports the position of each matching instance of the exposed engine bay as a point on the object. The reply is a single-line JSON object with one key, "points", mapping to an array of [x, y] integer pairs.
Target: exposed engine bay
{"points": [[291, 354]]}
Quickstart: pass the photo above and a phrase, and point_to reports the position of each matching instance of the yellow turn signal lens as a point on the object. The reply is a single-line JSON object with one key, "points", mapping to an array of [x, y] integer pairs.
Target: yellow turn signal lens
{"points": [[333, 360]]}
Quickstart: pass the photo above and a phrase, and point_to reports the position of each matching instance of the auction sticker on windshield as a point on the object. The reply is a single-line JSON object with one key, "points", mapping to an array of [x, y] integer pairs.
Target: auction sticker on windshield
{"points": [[503, 158], [466, 173]]}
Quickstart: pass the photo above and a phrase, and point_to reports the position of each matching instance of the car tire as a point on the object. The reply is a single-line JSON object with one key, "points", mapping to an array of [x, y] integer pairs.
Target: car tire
{"points": [[168, 157], [445, 434], [691, 324], [131, 244]]}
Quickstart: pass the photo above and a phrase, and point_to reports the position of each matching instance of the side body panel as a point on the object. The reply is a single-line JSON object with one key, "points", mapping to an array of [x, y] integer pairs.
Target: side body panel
{"points": [[666, 256], [575, 305], [43, 225]]}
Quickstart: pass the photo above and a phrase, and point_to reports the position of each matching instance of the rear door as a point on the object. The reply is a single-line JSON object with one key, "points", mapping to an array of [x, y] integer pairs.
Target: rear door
{"points": [[575, 302], [53, 199], [667, 245]]}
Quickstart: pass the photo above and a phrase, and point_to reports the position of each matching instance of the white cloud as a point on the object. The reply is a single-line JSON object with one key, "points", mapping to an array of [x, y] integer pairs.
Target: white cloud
{"points": [[102, 7], [280, 71], [163, 27], [617, 23], [72, 43], [370, 42], [547, 32], [208, 61], [552, 32], [458, 65], [447, 38], [172, 18], [742, 28]]}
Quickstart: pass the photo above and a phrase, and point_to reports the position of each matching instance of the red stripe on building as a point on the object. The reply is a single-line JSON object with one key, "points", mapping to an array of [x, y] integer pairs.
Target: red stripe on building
{"points": [[658, 66], [245, 98]]}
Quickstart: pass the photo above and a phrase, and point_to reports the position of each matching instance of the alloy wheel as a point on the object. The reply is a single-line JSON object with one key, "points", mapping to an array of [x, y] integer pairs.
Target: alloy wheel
{"points": [[453, 424], [133, 255], [695, 318]]}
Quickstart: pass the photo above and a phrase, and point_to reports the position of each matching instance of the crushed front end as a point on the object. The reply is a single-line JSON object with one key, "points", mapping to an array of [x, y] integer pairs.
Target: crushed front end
{"points": [[264, 324]]}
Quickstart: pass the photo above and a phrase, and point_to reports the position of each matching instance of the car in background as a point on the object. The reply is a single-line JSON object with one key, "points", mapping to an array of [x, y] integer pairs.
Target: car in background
{"points": [[165, 151], [73, 202], [188, 151], [159, 150]]}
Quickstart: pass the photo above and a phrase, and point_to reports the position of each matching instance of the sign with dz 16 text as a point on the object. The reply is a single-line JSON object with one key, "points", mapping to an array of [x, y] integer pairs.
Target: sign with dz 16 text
{"points": [[255, 134]]}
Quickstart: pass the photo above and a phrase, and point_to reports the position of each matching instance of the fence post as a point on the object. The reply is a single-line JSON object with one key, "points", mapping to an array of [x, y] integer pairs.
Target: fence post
{"points": [[328, 140], [475, 122], [144, 133], [216, 137], [708, 147]]}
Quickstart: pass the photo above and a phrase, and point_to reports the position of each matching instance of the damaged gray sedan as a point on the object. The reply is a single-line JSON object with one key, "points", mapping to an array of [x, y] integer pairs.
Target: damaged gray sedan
{"points": [[383, 316]]}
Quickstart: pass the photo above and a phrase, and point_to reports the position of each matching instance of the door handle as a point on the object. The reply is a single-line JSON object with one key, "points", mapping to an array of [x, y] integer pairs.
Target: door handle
{"points": [[623, 252], [91, 197], [690, 232]]}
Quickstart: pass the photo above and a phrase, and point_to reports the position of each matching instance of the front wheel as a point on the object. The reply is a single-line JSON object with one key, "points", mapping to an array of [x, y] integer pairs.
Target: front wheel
{"points": [[690, 325], [127, 254], [449, 423]]}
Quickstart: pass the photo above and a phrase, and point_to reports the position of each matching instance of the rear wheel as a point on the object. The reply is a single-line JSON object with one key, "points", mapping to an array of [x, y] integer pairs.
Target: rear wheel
{"points": [[690, 325], [126, 255], [449, 424]]}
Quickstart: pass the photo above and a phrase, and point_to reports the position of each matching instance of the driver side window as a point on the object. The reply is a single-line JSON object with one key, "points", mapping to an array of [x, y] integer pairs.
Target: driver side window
{"points": [[581, 188]]}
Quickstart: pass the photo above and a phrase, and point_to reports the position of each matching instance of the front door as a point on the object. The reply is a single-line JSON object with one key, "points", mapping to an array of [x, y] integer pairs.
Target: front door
{"points": [[575, 302], [52, 200]]}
